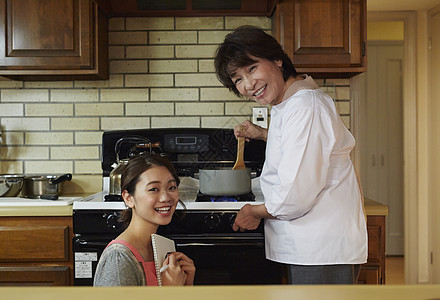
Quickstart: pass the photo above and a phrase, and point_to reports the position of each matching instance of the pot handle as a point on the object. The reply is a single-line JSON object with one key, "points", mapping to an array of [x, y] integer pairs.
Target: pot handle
{"points": [[7, 184], [49, 197], [65, 177]]}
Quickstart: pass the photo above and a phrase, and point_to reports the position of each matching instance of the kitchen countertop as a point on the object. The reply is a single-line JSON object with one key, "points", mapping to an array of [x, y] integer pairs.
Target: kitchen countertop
{"points": [[44, 207], [271, 292], [374, 208], [36, 211], [371, 207]]}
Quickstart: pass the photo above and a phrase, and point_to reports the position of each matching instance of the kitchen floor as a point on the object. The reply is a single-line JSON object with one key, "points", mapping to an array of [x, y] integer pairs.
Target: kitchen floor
{"points": [[394, 270]]}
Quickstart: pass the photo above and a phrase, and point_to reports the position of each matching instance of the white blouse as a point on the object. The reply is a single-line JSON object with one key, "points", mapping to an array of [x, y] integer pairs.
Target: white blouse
{"points": [[309, 183]]}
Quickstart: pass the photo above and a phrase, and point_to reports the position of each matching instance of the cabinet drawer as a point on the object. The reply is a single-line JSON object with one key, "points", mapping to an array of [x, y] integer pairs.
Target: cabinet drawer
{"points": [[374, 246], [36, 243], [34, 276]]}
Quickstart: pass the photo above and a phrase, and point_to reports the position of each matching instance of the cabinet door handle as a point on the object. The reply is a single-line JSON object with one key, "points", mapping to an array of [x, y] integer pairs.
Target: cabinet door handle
{"points": [[282, 29], [374, 160]]}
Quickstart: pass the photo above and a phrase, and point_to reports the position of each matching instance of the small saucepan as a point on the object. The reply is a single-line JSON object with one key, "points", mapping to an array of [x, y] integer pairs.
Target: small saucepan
{"points": [[44, 186], [225, 182]]}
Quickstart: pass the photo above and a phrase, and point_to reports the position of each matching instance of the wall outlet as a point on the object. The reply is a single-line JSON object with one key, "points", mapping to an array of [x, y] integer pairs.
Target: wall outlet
{"points": [[259, 116]]}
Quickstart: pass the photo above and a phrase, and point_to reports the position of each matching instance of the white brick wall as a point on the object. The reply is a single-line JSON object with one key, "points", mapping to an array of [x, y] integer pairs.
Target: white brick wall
{"points": [[161, 75]]}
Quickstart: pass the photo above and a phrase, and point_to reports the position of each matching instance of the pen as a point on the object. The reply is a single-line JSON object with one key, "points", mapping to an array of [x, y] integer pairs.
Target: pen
{"points": [[163, 268]]}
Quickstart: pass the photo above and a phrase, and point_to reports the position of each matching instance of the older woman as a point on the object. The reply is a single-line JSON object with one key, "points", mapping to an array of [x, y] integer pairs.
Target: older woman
{"points": [[313, 207]]}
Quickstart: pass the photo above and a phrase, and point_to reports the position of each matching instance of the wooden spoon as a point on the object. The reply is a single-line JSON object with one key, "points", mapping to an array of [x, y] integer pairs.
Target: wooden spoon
{"points": [[239, 163]]}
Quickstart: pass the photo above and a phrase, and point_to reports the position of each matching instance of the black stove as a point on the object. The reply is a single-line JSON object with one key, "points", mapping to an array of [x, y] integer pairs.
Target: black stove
{"points": [[188, 149], [202, 228], [249, 197]]}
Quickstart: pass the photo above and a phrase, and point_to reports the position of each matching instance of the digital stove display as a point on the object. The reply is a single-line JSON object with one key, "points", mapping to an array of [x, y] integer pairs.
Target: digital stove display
{"points": [[185, 140]]}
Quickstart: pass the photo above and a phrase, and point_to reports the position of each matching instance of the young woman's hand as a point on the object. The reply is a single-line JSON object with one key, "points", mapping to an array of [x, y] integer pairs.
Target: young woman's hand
{"points": [[174, 274], [187, 266], [249, 130]]}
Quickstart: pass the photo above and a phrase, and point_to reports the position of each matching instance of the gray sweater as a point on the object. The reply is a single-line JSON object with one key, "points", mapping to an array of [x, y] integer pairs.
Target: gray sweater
{"points": [[119, 267]]}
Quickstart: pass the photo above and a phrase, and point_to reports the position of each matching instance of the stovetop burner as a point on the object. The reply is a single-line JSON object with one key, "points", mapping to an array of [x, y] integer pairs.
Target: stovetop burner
{"points": [[249, 197]]}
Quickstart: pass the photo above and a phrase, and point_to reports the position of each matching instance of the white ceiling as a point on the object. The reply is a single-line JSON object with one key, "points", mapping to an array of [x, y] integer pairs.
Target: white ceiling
{"points": [[382, 5]]}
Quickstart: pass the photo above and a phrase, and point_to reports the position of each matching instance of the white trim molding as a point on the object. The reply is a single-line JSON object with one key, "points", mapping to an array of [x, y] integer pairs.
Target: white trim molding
{"points": [[413, 240]]}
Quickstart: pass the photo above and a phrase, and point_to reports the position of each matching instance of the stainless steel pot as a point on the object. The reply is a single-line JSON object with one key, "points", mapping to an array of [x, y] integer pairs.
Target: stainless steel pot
{"points": [[10, 185], [44, 186], [225, 182]]}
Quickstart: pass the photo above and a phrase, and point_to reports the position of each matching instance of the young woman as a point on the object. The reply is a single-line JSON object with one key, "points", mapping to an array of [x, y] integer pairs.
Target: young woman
{"points": [[313, 210], [149, 187]]}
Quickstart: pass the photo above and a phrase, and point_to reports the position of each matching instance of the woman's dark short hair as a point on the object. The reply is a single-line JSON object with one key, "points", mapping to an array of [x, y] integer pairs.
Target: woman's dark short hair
{"points": [[132, 171], [244, 42]]}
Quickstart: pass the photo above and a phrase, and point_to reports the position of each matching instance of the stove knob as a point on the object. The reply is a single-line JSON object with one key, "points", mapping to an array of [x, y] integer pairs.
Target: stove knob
{"points": [[112, 221], [232, 219], [212, 221]]}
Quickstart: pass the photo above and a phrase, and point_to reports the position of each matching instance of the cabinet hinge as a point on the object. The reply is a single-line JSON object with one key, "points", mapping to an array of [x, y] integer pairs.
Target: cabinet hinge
{"points": [[363, 48]]}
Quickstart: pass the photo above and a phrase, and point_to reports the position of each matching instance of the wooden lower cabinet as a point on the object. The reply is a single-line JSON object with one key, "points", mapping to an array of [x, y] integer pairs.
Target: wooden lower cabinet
{"points": [[34, 276], [373, 272], [36, 251]]}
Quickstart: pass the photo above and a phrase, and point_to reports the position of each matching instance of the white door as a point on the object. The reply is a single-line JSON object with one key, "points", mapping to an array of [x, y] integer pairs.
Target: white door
{"points": [[434, 137], [382, 152]]}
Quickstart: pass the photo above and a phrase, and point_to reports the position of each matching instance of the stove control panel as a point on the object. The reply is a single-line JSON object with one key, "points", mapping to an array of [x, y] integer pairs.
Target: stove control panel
{"points": [[186, 143], [204, 222]]}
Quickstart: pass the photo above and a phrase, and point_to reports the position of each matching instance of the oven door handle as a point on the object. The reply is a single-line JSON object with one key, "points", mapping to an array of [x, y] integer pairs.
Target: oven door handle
{"points": [[92, 244], [220, 244], [195, 244]]}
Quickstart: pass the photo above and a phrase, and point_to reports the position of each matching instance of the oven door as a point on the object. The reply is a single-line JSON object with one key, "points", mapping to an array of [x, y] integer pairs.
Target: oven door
{"points": [[87, 250], [229, 260]]}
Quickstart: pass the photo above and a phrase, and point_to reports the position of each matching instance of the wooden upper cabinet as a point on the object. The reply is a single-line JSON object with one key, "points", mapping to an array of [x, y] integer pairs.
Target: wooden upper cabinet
{"points": [[48, 39], [187, 8], [324, 38]]}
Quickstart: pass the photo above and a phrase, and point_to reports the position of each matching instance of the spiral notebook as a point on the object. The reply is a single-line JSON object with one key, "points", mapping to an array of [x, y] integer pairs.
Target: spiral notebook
{"points": [[161, 246]]}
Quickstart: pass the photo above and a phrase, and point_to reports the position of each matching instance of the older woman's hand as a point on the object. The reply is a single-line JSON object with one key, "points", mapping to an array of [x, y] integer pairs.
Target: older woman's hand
{"points": [[245, 219], [250, 131]]}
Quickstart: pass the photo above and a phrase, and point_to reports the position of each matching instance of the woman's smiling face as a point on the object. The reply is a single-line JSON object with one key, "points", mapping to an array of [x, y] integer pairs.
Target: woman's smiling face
{"points": [[261, 81], [155, 197]]}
